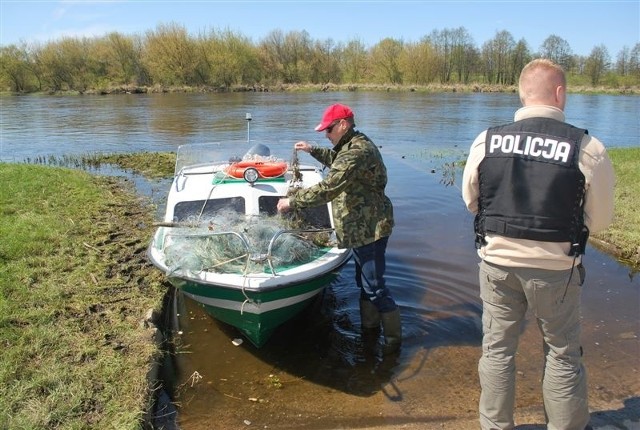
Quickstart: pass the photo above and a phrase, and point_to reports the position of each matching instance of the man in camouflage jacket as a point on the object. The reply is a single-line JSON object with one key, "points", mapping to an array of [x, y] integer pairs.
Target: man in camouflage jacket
{"points": [[362, 213]]}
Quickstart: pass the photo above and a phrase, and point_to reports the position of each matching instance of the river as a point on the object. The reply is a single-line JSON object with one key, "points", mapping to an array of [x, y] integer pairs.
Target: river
{"points": [[314, 372]]}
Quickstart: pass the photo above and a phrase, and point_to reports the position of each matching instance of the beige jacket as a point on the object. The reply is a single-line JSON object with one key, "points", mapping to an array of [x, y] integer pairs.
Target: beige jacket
{"points": [[600, 180]]}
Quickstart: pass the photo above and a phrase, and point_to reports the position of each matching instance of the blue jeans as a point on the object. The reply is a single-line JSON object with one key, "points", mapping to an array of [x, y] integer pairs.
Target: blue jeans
{"points": [[553, 297], [370, 268]]}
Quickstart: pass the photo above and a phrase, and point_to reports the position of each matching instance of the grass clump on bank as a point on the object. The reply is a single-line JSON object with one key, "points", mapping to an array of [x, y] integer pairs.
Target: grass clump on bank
{"points": [[74, 291], [152, 165]]}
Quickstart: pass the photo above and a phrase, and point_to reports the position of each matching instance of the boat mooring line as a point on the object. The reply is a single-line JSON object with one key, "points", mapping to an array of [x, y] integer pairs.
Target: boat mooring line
{"points": [[244, 303], [205, 202], [244, 284]]}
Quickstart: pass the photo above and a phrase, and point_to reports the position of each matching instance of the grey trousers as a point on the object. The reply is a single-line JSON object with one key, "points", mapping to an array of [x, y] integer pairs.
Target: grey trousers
{"points": [[554, 300]]}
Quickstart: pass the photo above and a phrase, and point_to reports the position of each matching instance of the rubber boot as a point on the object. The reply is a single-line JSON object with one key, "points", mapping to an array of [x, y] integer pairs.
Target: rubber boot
{"points": [[370, 323], [369, 315], [392, 329]]}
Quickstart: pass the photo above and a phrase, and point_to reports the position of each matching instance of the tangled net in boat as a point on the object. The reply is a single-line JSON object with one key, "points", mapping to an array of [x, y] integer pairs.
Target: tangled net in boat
{"points": [[211, 246]]}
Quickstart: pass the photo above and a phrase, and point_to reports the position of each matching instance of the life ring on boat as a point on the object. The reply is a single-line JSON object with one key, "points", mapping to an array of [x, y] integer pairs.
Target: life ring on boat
{"points": [[266, 169]]}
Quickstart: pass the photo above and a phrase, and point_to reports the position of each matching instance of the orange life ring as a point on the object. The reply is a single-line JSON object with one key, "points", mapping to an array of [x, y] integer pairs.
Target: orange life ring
{"points": [[268, 169]]}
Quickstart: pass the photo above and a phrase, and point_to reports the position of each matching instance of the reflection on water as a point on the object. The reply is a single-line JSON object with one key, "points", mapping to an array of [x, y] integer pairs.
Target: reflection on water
{"points": [[317, 371], [405, 124]]}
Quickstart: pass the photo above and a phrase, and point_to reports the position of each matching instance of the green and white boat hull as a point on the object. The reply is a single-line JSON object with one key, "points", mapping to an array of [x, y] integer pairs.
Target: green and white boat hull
{"points": [[255, 314]]}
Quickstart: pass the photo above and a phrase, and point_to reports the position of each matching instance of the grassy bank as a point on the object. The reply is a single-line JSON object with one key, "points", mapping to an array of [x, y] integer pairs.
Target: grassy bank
{"points": [[476, 87], [75, 290], [622, 238]]}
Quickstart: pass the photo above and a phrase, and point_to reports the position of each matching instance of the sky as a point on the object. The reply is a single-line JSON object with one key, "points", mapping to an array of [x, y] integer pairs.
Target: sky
{"points": [[583, 24]]}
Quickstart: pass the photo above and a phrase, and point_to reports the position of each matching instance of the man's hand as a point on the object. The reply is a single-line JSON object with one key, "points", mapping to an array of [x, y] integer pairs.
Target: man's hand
{"points": [[283, 205], [302, 146]]}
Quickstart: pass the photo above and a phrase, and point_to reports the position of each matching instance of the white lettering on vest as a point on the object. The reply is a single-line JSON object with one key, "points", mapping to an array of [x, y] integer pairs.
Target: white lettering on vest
{"points": [[495, 143], [537, 146]]}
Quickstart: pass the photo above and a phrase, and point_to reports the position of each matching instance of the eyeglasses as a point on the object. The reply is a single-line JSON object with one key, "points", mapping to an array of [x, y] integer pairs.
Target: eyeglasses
{"points": [[330, 128]]}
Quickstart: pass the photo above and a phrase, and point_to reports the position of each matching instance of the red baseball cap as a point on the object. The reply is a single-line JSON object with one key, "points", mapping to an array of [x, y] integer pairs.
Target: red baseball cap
{"points": [[332, 113]]}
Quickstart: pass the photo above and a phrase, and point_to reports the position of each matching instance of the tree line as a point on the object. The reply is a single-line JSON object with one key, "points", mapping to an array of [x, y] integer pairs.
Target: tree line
{"points": [[168, 56]]}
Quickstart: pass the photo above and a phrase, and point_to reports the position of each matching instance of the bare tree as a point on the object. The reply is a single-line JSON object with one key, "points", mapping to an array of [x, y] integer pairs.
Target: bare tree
{"points": [[634, 61], [557, 49], [462, 53], [441, 41], [287, 56], [325, 62], [597, 63], [622, 62], [271, 51], [520, 56], [496, 58]]}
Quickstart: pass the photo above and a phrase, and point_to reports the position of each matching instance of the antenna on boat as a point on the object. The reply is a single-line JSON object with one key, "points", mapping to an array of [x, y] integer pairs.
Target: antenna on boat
{"points": [[248, 118]]}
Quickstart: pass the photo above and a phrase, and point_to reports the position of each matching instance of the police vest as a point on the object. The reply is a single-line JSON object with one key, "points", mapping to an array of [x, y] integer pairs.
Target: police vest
{"points": [[531, 186]]}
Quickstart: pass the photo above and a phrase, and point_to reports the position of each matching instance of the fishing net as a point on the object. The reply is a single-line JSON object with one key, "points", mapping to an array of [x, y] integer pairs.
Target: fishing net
{"points": [[229, 242], [216, 235]]}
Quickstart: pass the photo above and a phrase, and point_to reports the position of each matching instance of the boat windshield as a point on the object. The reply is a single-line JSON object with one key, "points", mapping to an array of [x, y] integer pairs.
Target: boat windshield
{"points": [[204, 154]]}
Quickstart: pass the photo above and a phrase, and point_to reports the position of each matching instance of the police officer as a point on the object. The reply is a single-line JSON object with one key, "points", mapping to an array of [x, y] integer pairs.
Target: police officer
{"points": [[363, 214], [537, 186]]}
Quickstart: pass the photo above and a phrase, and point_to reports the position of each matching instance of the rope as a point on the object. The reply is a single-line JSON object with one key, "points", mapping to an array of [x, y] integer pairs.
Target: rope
{"points": [[244, 284], [205, 203], [231, 260]]}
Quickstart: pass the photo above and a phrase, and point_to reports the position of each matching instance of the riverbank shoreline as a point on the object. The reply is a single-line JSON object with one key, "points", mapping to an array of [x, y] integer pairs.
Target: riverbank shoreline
{"points": [[331, 87]]}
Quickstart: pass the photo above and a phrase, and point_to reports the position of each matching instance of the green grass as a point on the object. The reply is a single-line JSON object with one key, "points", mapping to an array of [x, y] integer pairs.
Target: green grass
{"points": [[622, 238], [74, 290]]}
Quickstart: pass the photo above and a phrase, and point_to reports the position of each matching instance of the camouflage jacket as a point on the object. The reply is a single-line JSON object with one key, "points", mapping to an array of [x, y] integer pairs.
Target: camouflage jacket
{"points": [[355, 185]]}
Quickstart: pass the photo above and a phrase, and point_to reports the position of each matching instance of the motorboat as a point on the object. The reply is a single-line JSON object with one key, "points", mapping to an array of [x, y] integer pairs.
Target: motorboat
{"points": [[223, 243]]}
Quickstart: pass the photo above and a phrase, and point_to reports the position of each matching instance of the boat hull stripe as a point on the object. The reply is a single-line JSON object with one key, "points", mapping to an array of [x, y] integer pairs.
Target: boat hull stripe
{"points": [[252, 307]]}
